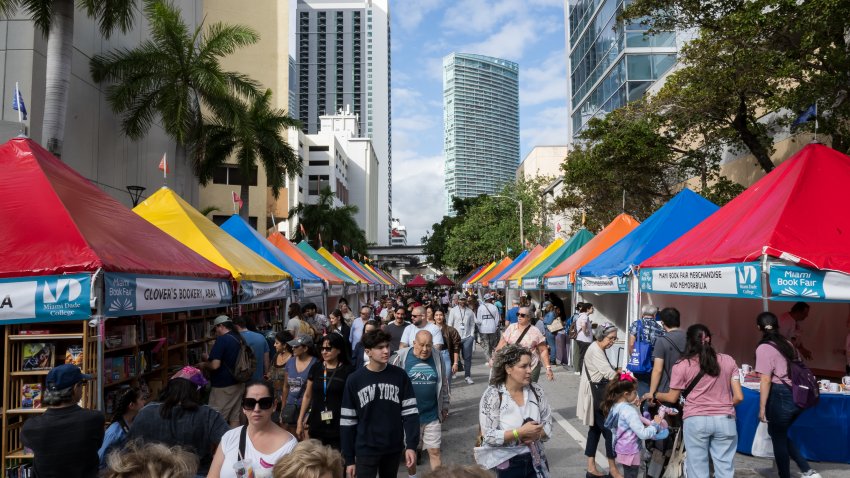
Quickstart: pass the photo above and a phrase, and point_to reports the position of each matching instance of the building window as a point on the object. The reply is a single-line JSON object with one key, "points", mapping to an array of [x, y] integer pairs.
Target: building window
{"points": [[319, 163], [230, 174], [319, 148], [316, 183]]}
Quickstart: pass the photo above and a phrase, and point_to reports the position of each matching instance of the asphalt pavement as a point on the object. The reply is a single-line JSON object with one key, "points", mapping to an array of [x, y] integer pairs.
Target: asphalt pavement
{"points": [[565, 450]]}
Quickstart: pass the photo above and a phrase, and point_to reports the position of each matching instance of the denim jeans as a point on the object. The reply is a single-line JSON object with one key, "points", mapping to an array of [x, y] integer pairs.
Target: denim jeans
{"points": [[447, 364], [550, 341], [520, 466], [781, 413], [712, 437], [466, 353]]}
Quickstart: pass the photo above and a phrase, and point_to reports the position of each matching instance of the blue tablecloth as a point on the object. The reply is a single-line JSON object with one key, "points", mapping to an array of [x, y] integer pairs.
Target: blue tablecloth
{"points": [[822, 433]]}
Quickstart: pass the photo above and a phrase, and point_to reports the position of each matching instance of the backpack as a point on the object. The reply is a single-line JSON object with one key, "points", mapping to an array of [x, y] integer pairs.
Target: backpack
{"points": [[804, 385], [640, 360], [246, 362]]}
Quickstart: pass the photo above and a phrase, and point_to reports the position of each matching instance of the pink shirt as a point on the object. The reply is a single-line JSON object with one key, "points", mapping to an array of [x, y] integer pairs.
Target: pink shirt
{"points": [[531, 340], [769, 360], [712, 395]]}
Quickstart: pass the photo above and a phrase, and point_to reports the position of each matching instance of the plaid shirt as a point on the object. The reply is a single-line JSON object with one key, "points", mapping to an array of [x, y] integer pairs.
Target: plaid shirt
{"points": [[650, 330]]}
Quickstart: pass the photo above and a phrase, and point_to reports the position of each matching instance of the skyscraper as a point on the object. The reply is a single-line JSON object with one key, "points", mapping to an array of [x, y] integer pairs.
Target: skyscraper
{"points": [[481, 124], [610, 62], [343, 56]]}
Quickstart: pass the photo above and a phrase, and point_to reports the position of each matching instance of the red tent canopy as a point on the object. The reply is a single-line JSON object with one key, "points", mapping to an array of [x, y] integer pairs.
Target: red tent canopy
{"points": [[798, 212], [417, 281], [56, 221], [443, 280]]}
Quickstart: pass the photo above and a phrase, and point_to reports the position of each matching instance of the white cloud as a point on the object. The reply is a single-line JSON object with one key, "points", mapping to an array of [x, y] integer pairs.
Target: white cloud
{"points": [[418, 192], [544, 82], [509, 42], [479, 16], [548, 127], [415, 123], [410, 13]]}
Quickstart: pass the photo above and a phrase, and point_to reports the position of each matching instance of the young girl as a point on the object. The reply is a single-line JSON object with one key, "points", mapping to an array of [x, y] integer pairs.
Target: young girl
{"points": [[624, 421], [128, 406]]}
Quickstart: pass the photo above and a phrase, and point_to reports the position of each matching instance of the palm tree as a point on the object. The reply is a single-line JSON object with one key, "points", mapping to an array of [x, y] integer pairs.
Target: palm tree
{"points": [[55, 19], [176, 76], [332, 223], [255, 135]]}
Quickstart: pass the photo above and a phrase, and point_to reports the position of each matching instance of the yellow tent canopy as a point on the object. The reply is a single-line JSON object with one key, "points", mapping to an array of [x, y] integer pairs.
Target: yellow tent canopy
{"points": [[344, 269], [177, 218], [551, 248]]}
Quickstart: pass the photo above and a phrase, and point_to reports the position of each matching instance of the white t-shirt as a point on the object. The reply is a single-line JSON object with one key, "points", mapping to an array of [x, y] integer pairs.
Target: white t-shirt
{"points": [[488, 318], [261, 464], [583, 319], [409, 334]]}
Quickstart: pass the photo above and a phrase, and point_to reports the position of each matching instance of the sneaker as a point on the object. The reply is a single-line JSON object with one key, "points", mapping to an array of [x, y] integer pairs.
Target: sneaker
{"points": [[811, 474], [469, 380], [577, 373]]}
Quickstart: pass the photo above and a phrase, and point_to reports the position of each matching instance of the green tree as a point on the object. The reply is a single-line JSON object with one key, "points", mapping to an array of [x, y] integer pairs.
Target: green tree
{"points": [[490, 228], [55, 19], [434, 242], [176, 76], [256, 137], [329, 222], [750, 59]]}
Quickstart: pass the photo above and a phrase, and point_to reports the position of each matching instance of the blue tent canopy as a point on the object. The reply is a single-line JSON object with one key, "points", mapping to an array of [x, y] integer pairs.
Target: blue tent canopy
{"points": [[678, 216], [247, 235]]}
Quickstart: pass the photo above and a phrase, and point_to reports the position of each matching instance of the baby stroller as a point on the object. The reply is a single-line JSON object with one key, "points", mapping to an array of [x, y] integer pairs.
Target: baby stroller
{"points": [[664, 458]]}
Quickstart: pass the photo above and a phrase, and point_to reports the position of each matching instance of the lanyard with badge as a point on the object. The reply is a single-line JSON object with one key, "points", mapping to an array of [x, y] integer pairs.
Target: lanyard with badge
{"points": [[327, 415]]}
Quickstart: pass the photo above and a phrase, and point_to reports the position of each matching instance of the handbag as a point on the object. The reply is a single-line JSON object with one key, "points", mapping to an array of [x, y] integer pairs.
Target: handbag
{"points": [[762, 443], [640, 360], [597, 389], [556, 326]]}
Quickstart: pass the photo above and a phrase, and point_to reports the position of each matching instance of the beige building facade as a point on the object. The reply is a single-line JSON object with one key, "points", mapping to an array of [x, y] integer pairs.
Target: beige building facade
{"points": [[542, 161], [267, 62]]}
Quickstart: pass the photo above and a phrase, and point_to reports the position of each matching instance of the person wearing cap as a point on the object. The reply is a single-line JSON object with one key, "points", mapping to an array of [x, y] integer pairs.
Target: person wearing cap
{"points": [[488, 319], [462, 318], [226, 392], [297, 374], [179, 418], [66, 437]]}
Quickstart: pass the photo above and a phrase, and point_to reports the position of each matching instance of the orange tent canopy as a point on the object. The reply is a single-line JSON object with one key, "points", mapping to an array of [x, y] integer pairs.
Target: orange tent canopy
{"points": [[613, 232], [290, 250], [485, 279]]}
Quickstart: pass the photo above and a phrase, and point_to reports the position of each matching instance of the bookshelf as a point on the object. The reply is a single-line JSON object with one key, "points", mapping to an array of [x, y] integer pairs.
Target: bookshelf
{"points": [[141, 351]]}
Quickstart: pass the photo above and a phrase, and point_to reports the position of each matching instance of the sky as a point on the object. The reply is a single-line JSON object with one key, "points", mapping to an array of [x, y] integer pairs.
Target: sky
{"points": [[528, 32]]}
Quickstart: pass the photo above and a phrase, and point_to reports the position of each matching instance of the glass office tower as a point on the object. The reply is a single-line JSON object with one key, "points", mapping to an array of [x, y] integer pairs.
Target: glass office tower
{"points": [[481, 124]]}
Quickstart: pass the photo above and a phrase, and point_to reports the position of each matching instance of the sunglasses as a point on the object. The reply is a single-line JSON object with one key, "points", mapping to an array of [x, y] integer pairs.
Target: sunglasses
{"points": [[327, 349], [265, 403], [520, 314]]}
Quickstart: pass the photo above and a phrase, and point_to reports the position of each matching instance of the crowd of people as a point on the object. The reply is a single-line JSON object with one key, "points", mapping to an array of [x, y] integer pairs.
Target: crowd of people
{"points": [[357, 392]]}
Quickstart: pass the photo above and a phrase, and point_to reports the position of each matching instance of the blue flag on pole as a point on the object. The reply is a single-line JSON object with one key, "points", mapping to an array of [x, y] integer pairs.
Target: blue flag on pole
{"points": [[18, 102], [806, 116]]}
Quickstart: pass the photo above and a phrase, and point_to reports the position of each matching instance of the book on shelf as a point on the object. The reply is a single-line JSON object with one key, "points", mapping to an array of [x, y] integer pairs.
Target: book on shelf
{"points": [[35, 332], [24, 470], [31, 395], [121, 336], [38, 355], [74, 355]]}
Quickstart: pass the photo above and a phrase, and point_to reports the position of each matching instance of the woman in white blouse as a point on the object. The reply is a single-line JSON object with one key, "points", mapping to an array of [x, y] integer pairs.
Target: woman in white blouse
{"points": [[515, 418]]}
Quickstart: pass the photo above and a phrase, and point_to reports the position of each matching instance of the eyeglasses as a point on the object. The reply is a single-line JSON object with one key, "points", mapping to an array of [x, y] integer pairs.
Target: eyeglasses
{"points": [[327, 349], [265, 403], [520, 314]]}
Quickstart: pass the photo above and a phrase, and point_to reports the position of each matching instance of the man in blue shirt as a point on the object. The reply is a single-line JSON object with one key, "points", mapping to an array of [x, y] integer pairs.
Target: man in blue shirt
{"points": [[226, 392], [510, 315], [258, 344], [430, 386]]}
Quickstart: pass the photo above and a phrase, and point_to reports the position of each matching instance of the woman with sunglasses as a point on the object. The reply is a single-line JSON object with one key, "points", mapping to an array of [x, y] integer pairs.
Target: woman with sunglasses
{"points": [[323, 393], [264, 441], [527, 335]]}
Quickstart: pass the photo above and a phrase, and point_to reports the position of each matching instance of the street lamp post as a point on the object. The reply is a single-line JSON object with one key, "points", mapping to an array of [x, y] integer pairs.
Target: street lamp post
{"points": [[519, 203]]}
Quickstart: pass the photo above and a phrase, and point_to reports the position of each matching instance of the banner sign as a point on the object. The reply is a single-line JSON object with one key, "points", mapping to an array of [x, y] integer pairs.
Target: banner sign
{"points": [[618, 284], [311, 289], [499, 284], [530, 283], [130, 294], [349, 290], [794, 283], [727, 280], [336, 289], [45, 298], [558, 283], [251, 292], [514, 284]]}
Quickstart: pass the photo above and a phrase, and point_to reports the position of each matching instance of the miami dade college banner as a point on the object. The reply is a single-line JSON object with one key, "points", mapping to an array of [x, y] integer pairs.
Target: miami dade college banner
{"points": [[727, 280], [45, 298]]}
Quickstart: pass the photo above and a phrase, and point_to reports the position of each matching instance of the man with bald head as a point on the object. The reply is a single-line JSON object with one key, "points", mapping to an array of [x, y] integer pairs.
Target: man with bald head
{"points": [[431, 388], [418, 322]]}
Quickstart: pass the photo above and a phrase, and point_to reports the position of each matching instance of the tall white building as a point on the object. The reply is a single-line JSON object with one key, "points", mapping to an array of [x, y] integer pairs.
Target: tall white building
{"points": [[343, 57], [398, 236]]}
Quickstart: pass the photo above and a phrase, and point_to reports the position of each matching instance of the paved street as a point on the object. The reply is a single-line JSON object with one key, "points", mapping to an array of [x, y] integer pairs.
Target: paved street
{"points": [[566, 448]]}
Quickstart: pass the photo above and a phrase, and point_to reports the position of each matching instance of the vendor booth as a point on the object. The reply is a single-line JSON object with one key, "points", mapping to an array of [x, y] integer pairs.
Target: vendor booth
{"points": [[783, 239], [474, 278], [352, 284], [69, 263], [329, 279], [501, 282], [484, 281], [533, 279]]}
